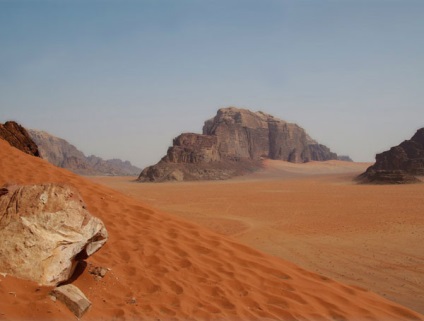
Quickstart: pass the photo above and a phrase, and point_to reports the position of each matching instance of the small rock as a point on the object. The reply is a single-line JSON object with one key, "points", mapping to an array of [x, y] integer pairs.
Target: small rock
{"points": [[132, 301], [98, 271], [73, 298]]}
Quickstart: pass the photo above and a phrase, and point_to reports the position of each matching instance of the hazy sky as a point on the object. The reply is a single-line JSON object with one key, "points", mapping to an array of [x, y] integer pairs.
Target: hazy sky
{"points": [[123, 78]]}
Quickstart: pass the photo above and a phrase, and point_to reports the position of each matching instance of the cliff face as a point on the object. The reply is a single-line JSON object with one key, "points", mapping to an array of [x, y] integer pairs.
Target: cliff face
{"points": [[18, 137], [62, 154], [398, 165], [233, 143]]}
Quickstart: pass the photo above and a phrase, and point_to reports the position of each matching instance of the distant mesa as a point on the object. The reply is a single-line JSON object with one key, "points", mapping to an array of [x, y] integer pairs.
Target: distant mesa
{"points": [[399, 165], [18, 137], [63, 154], [344, 158], [233, 143]]}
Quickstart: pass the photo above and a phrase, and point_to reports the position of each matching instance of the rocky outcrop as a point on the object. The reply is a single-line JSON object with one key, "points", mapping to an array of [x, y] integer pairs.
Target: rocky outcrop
{"points": [[63, 154], [234, 142], [399, 165], [45, 230], [73, 298], [18, 137]]}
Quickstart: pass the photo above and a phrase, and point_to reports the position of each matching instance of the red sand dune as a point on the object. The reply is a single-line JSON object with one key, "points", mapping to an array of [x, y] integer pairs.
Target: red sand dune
{"points": [[313, 215], [164, 267]]}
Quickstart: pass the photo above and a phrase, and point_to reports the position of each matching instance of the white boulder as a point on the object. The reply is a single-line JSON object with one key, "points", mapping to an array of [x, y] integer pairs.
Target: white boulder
{"points": [[44, 230]]}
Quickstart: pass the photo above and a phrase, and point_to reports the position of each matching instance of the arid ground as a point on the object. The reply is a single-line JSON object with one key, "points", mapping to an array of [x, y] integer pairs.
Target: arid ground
{"points": [[313, 215], [165, 267]]}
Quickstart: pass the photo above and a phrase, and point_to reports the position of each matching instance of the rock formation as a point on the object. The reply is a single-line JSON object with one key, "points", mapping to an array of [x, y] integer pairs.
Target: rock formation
{"points": [[344, 158], [62, 154], [45, 229], [233, 143], [399, 165], [18, 137]]}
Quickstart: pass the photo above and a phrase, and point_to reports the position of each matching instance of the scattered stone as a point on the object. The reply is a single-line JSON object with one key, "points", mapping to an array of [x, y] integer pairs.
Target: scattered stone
{"points": [[98, 272], [132, 301], [46, 231], [73, 298]]}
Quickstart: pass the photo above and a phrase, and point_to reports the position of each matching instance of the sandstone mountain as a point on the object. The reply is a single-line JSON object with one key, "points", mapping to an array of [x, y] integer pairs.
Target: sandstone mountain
{"points": [[18, 137], [234, 142], [399, 165], [63, 154]]}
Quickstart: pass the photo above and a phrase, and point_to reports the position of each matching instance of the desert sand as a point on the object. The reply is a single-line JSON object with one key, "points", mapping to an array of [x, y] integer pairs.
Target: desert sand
{"points": [[314, 215], [165, 267]]}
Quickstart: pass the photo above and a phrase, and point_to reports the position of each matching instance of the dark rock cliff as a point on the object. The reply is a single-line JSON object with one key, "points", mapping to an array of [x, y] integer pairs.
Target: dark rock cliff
{"points": [[233, 143], [399, 165], [18, 137]]}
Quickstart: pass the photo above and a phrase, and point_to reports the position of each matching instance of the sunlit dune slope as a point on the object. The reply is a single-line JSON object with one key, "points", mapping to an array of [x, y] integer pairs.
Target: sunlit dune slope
{"points": [[164, 267]]}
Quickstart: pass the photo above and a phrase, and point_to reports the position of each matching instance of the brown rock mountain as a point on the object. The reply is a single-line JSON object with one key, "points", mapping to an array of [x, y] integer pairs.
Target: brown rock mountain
{"points": [[399, 165], [63, 154], [18, 137], [233, 143]]}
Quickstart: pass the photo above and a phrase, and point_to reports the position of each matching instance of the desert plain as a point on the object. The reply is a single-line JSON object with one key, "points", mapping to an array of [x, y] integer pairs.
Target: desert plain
{"points": [[164, 265], [314, 215]]}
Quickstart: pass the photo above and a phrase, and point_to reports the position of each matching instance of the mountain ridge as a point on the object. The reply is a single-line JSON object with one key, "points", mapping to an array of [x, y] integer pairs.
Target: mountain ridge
{"points": [[61, 153]]}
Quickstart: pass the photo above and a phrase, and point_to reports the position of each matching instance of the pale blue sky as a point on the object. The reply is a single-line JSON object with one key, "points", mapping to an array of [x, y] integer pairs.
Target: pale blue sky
{"points": [[123, 78]]}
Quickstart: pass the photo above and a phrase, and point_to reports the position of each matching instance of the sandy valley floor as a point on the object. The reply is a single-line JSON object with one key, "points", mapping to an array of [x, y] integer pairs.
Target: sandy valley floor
{"points": [[163, 267], [312, 215]]}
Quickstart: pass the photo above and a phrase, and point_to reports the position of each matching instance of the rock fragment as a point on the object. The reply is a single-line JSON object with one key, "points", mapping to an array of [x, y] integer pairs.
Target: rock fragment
{"points": [[73, 298]]}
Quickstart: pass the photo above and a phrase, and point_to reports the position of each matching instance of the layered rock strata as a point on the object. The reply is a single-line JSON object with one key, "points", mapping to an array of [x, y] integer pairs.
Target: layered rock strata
{"points": [[234, 142], [399, 165]]}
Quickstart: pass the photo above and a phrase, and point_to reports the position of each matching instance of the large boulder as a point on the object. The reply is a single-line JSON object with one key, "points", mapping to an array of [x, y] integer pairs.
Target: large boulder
{"points": [[18, 137], [399, 165], [233, 143], [44, 230]]}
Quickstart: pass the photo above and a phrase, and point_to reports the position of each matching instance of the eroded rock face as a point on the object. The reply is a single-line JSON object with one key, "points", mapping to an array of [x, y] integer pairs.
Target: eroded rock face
{"points": [[44, 230], [193, 148], [233, 143], [18, 137], [399, 165]]}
